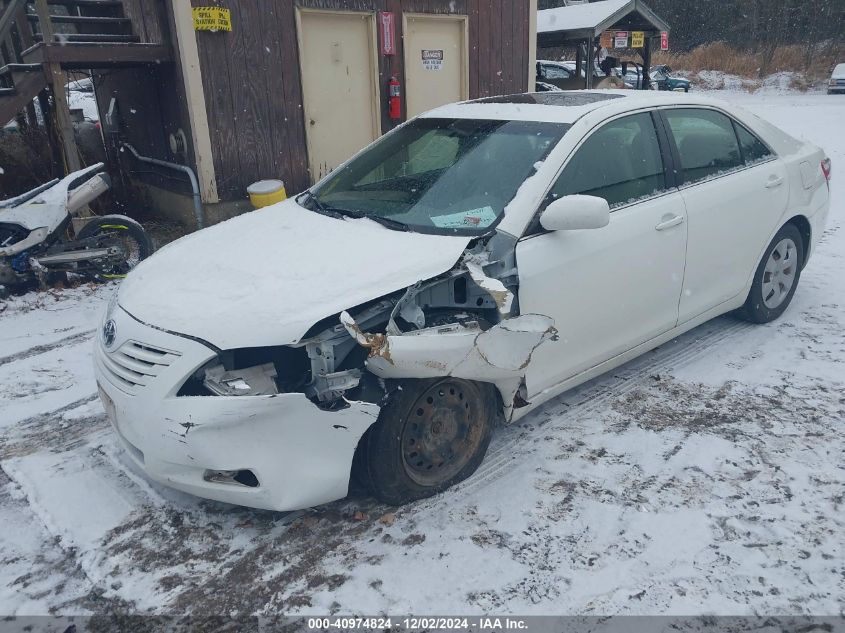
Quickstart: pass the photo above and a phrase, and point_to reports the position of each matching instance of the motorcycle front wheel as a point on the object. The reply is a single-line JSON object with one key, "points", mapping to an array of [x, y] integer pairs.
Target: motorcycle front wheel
{"points": [[136, 242]]}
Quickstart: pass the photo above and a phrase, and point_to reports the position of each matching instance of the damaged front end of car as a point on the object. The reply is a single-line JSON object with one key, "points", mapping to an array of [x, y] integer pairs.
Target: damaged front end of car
{"points": [[280, 426], [464, 324]]}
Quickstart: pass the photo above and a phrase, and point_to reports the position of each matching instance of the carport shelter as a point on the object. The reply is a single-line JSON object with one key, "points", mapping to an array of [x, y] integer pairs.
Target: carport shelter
{"points": [[581, 26]]}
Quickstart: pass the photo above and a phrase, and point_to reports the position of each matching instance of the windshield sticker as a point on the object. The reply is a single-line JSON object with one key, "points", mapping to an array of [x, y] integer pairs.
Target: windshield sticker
{"points": [[472, 219]]}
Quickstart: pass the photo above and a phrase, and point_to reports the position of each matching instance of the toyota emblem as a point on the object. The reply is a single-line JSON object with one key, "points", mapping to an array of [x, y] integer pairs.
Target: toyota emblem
{"points": [[108, 333]]}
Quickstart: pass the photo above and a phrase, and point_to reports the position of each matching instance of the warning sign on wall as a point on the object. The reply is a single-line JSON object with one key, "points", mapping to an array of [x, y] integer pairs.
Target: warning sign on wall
{"points": [[620, 39], [607, 39], [212, 19], [432, 59], [638, 39]]}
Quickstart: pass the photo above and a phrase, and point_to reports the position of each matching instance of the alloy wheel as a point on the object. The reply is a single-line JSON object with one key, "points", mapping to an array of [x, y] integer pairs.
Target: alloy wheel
{"points": [[779, 274]]}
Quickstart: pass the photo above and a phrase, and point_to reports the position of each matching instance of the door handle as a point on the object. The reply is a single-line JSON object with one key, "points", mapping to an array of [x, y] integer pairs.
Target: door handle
{"points": [[668, 224], [774, 181]]}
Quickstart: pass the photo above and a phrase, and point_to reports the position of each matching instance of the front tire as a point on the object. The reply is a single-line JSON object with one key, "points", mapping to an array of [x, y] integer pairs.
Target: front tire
{"points": [[136, 242], [776, 278], [430, 435]]}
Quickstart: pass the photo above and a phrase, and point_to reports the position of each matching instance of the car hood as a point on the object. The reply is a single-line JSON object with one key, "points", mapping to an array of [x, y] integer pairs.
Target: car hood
{"points": [[266, 277]]}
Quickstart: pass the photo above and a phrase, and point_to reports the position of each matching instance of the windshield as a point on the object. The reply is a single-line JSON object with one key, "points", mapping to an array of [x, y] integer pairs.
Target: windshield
{"points": [[439, 175]]}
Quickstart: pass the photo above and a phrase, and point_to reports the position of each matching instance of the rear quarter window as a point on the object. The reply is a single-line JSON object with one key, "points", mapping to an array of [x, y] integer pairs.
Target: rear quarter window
{"points": [[753, 149]]}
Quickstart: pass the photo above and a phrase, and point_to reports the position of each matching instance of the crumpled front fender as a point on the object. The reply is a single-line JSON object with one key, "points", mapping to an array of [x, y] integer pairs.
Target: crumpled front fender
{"points": [[499, 355]]}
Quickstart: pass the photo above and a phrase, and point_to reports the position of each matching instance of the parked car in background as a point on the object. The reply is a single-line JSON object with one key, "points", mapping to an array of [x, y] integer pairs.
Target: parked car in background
{"points": [[836, 84], [544, 87], [456, 274], [563, 74], [661, 79], [632, 77]]}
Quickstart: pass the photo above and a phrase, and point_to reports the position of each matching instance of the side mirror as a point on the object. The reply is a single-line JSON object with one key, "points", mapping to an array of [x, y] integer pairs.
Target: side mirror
{"points": [[576, 212]]}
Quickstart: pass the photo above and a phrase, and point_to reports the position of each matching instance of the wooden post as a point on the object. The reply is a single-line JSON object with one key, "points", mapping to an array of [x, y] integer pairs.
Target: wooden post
{"points": [[591, 56], [646, 64], [56, 79], [579, 60], [56, 158]]}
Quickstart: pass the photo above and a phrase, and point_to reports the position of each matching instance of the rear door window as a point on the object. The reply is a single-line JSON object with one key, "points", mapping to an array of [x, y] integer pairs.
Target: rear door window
{"points": [[620, 162], [706, 142]]}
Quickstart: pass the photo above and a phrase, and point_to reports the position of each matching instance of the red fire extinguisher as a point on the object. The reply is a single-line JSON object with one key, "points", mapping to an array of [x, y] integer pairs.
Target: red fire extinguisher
{"points": [[395, 105]]}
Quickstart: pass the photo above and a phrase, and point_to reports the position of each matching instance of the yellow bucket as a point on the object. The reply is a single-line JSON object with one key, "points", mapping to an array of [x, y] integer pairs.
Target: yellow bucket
{"points": [[266, 192]]}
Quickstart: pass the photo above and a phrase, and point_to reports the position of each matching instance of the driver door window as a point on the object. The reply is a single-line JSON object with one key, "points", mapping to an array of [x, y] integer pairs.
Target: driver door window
{"points": [[621, 162]]}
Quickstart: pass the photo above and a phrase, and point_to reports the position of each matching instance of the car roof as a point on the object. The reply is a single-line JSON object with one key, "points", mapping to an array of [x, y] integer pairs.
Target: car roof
{"points": [[566, 106]]}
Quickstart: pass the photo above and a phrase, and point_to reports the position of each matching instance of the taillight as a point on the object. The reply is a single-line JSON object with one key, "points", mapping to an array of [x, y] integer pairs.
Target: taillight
{"points": [[826, 168]]}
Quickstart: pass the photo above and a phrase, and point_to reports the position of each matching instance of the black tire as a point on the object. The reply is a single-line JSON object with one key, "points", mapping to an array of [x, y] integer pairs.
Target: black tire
{"points": [[383, 464], [755, 308], [133, 235]]}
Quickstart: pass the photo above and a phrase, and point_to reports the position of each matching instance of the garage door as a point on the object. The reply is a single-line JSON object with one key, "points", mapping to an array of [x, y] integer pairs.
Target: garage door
{"points": [[339, 86], [435, 61]]}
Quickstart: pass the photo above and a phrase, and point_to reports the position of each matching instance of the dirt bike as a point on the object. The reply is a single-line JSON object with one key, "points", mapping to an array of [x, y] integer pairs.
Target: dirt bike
{"points": [[35, 229]]}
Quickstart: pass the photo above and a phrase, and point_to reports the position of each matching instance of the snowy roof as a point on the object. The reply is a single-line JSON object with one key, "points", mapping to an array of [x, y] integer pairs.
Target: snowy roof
{"points": [[595, 16], [568, 109]]}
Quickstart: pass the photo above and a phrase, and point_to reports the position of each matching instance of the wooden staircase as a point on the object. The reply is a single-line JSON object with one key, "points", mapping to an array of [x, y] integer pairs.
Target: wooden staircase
{"points": [[40, 39]]}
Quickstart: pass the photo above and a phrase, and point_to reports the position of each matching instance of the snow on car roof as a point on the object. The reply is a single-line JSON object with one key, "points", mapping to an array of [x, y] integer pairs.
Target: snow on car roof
{"points": [[564, 99], [566, 106], [556, 107]]}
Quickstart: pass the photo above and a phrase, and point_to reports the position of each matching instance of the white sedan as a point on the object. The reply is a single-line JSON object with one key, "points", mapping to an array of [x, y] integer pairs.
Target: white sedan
{"points": [[457, 273]]}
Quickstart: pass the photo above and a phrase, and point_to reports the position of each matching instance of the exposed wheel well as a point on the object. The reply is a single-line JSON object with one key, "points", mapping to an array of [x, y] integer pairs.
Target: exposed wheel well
{"points": [[359, 477], [803, 226]]}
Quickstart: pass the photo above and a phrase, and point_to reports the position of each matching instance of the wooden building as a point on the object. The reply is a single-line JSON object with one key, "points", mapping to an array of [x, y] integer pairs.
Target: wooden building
{"points": [[294, 88]]}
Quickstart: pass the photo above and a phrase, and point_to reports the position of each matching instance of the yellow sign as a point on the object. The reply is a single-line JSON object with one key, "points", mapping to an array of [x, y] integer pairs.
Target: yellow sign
{"points": [[638, 39], [212, 19]]}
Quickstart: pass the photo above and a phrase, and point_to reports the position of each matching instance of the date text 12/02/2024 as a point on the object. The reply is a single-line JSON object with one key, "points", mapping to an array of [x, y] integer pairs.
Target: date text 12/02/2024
{"points": [[482, 624]]}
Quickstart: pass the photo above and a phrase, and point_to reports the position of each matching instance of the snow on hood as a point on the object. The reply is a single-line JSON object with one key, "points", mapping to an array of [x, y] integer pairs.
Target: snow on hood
{"points": [[266, 277]]}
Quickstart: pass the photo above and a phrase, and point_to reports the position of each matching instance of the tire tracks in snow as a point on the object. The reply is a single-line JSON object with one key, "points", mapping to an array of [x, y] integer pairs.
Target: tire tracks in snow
{"points": [[50, 430], [37, 350], [513, 442]]}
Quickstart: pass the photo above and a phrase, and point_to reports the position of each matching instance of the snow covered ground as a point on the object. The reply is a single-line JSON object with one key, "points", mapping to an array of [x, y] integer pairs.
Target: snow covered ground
{"points": [[706, 477]]}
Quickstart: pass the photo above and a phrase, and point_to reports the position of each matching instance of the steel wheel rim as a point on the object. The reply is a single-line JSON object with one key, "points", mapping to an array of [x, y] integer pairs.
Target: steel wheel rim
{"points": [[441, 434], [779, 273]]}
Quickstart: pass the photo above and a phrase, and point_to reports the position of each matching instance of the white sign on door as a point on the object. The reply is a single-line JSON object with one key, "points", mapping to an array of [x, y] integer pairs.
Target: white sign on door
{"points": [[432, 59]]}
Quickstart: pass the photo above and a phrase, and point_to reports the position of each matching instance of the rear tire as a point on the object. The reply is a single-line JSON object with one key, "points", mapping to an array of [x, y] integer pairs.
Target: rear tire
{"points": [[137, 242], [776, 278], [430, 435]]}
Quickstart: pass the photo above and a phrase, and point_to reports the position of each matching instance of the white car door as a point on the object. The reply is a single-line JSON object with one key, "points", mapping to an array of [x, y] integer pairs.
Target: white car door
{"points": [[735, 191], [613, 288]]}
